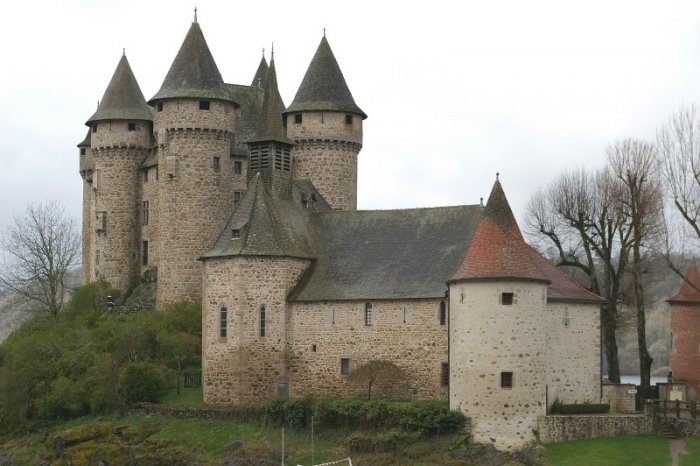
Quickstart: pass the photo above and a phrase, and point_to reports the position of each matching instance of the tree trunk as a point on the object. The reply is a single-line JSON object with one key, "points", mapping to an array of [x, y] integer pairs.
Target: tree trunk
{"points": [[610, 342], [645, 359]]}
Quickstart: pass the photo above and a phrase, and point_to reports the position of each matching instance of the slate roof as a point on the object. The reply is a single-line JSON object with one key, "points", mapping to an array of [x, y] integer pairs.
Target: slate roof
{"points": [[260, 74], [265, 227], [324, 86], [271, 126], [87, 141], [561, 288], [688, 294], [250, 100], [387, 254], [194, 72], [498, 250], [123, 99]]}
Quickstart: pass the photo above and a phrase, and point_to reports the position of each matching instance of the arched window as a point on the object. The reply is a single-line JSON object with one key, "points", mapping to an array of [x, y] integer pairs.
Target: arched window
{"points": [[368, 314], [443, 313], [223, 322], [262, 320]]}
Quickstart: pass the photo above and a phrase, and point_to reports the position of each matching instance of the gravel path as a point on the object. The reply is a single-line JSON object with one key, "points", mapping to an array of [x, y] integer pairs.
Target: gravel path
{"points": [[677, 449]]}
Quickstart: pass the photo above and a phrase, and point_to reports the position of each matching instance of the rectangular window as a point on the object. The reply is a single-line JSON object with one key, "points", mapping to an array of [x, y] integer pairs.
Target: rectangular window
{"points": [[237, 168], [344, 366], [223, 322], [235, 233], [100, 222], [82, 151], [132, 127], [160, 107], [204, 105], [368, 314], [97, 257], [157, 173], [94, 128], [507, 299], [236, 198], [506, 380], [145, 253], [445, 374], [145, 176], [443, 313], [348, 119], [144, 212], [262, 320], [297, 118], [216, 163]]}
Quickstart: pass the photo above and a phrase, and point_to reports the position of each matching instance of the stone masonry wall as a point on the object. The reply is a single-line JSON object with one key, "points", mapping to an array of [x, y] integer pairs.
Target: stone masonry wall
{"points": [[193, 194], [150, 231], [487, 339], [405, 332], [573, 352], [245, 366], [87, 224], [619, 398], [562, 428], [326, 153], [685, 352], [117, 153]]}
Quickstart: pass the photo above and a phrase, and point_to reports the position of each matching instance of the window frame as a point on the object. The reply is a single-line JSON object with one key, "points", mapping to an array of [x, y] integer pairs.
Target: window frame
{"points": [[369, 318], [345, 367], [263, 317], [205, 104], [223, 322], [507, 299], [507, 380], [445, 374]]}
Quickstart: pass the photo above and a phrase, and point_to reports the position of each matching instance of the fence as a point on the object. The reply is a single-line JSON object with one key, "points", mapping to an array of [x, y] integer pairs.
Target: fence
{"points": [[192, 379], [678, 409]]}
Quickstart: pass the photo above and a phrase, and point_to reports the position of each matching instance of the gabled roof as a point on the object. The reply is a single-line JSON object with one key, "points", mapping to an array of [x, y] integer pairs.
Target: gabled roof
{"points": [[561, 288], [123, 99], [194, 72], [324, 87], [250, 99], [261, 73], [498, 250], [688, 293], [387, 254], [265, 226], [87, 141], [271, 127]]}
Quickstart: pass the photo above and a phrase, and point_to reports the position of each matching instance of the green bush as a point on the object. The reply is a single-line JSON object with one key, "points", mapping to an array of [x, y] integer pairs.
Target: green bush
{"points": [[575, 408], [141, 381]]}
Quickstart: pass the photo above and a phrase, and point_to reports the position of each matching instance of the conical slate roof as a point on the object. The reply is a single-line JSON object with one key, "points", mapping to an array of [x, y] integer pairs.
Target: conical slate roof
{"points": [[123, 99], [265, 227], [498, 250], [271, 126], [688, 293], [324, 87], [194, 72], [87, 141], [261, 74]]}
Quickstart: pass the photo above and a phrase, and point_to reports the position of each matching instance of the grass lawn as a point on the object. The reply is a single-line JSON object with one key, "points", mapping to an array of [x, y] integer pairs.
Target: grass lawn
{"points": [[692, 446], [189, 396], [615, 451]]}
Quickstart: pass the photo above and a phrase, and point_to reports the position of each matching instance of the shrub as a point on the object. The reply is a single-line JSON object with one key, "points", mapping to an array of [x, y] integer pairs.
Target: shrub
{"points": [[141, 381], [575, 408]]}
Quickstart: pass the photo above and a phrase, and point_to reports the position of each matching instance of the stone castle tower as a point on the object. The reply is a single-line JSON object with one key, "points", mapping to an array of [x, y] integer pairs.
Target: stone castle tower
{"points": [[685, 328], [162, 178]]}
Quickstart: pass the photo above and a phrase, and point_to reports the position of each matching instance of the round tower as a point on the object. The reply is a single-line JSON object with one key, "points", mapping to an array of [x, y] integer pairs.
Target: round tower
{"points": [[498, 371], [685, 328], [87, 169], [120, 139], [194, 124], [326, 125]]}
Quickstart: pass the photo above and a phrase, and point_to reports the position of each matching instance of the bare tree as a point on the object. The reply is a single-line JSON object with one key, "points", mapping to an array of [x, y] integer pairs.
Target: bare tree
{"points": [[382, 376], [39, 249], [678, 141], [634, 163], [580, 217]]}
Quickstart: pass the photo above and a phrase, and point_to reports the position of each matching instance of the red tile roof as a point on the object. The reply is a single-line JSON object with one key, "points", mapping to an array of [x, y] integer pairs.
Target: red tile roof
{"points": [[561, 287], [689, 293], [498, 250]]}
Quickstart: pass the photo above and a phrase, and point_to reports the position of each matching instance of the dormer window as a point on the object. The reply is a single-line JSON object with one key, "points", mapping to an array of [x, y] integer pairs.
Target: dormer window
{"points": [[235, 233], [132, 126], [348, 119], [297, 118], [204, 105]]}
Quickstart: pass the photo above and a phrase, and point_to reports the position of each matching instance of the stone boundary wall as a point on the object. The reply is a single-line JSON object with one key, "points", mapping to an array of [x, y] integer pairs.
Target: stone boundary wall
{"points": [[562, 428], [619, 398]]}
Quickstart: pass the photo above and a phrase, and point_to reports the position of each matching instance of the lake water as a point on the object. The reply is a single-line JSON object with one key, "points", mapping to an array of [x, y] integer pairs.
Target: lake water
{"points": [[634, 379]]}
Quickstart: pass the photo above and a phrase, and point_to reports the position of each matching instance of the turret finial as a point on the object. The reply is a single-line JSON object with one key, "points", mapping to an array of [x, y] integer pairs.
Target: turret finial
{"points": [[497, 176], [195, 14], [272, 52], [324, 32], [481, 201], [123, 51], [263, 52]]}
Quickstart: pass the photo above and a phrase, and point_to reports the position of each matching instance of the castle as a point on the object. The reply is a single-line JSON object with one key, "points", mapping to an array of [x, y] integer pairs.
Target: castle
{"points": [[235, 200], [685, 330]]}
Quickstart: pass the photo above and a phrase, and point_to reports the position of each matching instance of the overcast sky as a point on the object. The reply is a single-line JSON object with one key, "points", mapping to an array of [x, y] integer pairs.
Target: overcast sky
{"points": [[455, 91]]}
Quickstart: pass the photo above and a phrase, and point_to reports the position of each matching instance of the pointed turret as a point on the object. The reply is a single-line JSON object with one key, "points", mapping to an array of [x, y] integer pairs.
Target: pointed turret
{"points": [[324, 87], [689, 288], [123, 99], [261, 73], [194, 73], [271, 125], [498, 250]]}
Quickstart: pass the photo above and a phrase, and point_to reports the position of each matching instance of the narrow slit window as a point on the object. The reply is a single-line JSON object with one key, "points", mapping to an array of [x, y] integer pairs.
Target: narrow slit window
{"points": [[262, 320], [368, 314], [145, 212], [236, 198], [145, 176], [443, 313], [204, 105], [237, 168], [216, 163], [223, 322], [445, 374], [506, 380], [144, 257], [344, 366]]}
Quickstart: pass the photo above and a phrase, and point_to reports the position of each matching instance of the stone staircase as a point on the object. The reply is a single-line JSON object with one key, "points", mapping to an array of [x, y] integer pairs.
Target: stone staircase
{"points": [[668, 430]]}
